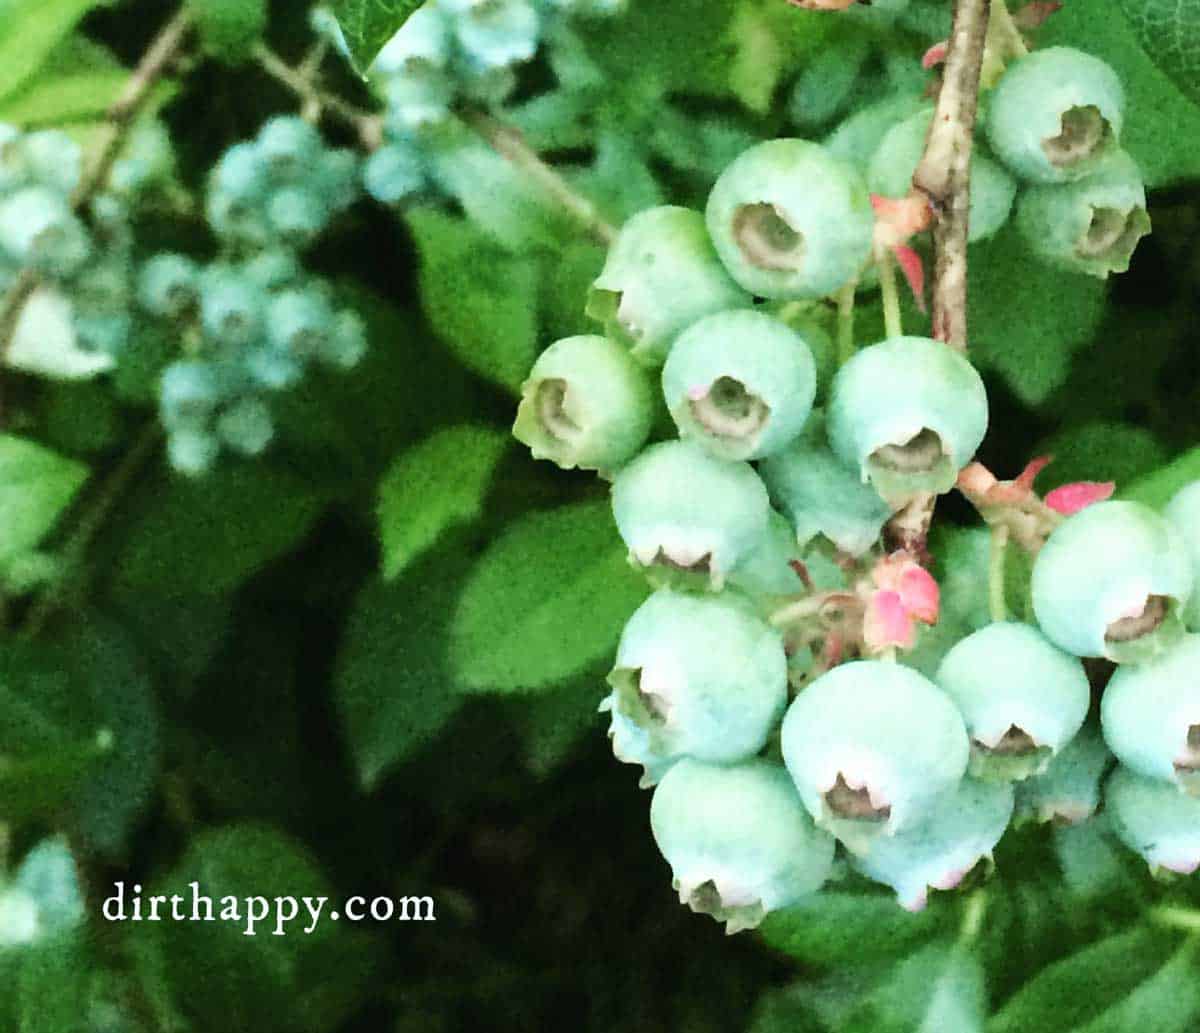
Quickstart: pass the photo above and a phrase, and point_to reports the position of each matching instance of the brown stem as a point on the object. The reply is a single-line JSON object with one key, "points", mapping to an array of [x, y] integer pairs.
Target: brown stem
{"points": [[944, 177], [944, 172], [508, 143], [120, 117]]}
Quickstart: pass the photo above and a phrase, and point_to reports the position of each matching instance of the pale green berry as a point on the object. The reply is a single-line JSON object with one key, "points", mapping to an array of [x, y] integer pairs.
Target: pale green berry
{"points": [[660, 277], [1091, 225], [789, 220], [1068, 791], [1111, 582], [698, 676], [960, 833], [738, 840], [1154, 819], [1183, 513], [1055, 114], [1021, 698], [908, 414], [858, 137], [740, 383], [872, 746], [767, 571], [585, 404], [1151, 716], [822, 496], [686, 516], [895, 160]]}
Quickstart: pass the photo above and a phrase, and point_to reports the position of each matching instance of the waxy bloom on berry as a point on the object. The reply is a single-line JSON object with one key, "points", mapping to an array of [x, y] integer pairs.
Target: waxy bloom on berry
{"points": [[872, 746], [1156, 820], [1068, 791], [1183, 513], [738, 840]]}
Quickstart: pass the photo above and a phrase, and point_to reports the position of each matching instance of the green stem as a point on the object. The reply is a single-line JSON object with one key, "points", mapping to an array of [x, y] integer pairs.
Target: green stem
{"points": [[973, 915], [1173, 917], [892, 321], [845, 322], [90, 522], [997, 603]]}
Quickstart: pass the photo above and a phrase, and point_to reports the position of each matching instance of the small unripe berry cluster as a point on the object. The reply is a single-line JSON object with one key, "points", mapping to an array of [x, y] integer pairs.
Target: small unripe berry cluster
{"points": [[763, 687]]}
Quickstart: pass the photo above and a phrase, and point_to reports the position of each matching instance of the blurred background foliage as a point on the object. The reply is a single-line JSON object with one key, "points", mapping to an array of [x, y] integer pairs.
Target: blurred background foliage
{"points": [[370, 661]]}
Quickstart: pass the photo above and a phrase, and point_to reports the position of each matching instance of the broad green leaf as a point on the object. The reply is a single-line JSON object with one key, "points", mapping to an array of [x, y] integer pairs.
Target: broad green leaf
{"points": [[1027, 319], [63, 99], [392, 686], [1161, 124], [1167, 1002], [205, 536], [842, 928], [53, 986], [222, 978], [29, 32], [480, 300], [36, 485], [436, 484], [229, 29], [1100, 451], [368, 24], [1156, 489], [1169, 30], [78, 727], [554, 723], [1083, 987], [546, 600]]}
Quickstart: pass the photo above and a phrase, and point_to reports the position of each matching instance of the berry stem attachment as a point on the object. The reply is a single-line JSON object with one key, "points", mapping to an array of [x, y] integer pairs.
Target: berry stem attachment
{"points": [[122, 114], [943, 174], [892, 320], [508, 143], [997, 603], [845, 323]]}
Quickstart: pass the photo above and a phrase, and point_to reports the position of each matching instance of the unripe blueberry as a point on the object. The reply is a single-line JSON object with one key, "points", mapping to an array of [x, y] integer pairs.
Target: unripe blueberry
{"points": [[821, 495], [192, 452], [189, 394], [687, 516], [231, 308], [660, 277], [46, 340], [1151, 716], [289, 146], [348, 343], [741, 383], [585, 404], [1090, 225], [240, 173], [939, 852], [52, 159], [698, 676], [1055, 114], [395, 173], [858, 137], [337, 178], [1154, 819], [1068, 791], [908, 414], [297, 215], [1021, 698], [738, 841], [246, 427], [791, 221], [767, 571], [275, 370], [1183, 513], [272, 270], [872, 746], [423, 41], [300, 322], [896, 159], [38, 229], [1111, 581], [418, 100], [497, 33], [167, 285]]}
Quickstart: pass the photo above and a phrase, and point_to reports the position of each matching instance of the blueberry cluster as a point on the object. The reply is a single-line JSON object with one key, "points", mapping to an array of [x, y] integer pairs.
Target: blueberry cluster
{"points": [[450, 53], [250, 323], [763, 687]]}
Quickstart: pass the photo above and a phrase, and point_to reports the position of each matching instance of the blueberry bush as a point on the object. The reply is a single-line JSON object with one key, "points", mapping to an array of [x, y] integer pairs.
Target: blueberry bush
{"points": [[397, 396]]}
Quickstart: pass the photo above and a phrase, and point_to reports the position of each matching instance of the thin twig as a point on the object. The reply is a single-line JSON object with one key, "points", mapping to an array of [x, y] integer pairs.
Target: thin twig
{"points": [[997, 597], [121, 116], [845, 322], [508, 143], [944, 172]]}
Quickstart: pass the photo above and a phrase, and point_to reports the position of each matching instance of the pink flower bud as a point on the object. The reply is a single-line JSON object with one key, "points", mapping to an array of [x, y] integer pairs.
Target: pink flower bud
{"points": [[935, 55], [1071, 498]]}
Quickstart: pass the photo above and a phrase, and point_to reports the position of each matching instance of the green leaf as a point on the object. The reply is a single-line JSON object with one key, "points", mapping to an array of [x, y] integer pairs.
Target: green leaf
{"points": [[63, 99], [1084, 987], [1156, 489], [392, 686], [1161, 124], [480, 300], [221, 977], [369, 24], [29, 31], [418, 502], [36, 485], [78, 726], [53, 985], [545, 601], [204, 537], [1028, 320], [230, 29], [841, 928], [1169, 30], [1100, 451], [554, 723]]}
